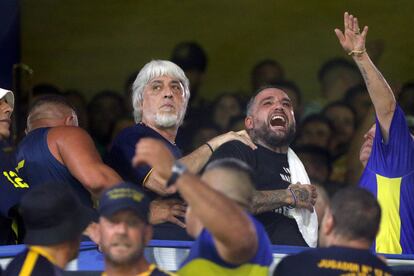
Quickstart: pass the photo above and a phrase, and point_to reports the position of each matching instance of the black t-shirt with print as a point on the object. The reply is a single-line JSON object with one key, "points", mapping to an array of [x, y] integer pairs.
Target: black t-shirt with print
{"points": [[332, 261], [270, 172]]}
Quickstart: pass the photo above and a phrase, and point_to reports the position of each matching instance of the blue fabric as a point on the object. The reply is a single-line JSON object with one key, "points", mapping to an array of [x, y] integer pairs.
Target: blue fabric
{"points": [[395, 160], [42, 266], [332, 261], [10, 191], [40, 166], [120, 159], [204, 248]]}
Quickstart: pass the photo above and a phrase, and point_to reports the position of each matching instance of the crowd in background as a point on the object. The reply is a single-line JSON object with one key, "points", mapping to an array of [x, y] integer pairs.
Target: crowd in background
{"points": [[330, 125], [329, 135]]}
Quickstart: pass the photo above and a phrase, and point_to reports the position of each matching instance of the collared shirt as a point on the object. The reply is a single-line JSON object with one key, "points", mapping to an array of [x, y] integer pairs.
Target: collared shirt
{"points": [[33, 261], [152, 270]]}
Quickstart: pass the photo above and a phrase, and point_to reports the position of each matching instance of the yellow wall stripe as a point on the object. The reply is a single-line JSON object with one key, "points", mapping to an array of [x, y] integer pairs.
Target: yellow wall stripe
{"points": [[388, 194], [29, 263]]}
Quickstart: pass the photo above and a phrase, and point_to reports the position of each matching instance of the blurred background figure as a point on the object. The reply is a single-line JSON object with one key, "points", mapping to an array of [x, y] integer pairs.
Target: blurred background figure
{"points": [[357, 97], [104, 110], [266, 72]]}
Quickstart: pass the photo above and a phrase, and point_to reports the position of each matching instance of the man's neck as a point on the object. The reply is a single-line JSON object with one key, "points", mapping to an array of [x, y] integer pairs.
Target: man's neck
{"points": [[125, 270], [283, 149], [344, 242], [168, 133], [59, 255]]}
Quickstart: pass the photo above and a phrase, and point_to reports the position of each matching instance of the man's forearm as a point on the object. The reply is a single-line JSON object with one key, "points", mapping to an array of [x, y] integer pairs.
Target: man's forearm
{"points": [[196, 160], [380, 92], [264, 201]]}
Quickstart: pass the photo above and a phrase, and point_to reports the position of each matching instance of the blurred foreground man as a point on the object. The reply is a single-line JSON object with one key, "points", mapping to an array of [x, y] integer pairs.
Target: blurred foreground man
{"points": [[348, 228], [54, 219], [228, 240], [124, 231]]}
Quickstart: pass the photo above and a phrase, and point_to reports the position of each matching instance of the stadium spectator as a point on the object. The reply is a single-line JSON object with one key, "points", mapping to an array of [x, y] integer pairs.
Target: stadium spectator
{"points": [[348, 228], [54, 220], [228, 239], [387, 152], [160, 97], [271, 125], [124, 231], [56, 149]]}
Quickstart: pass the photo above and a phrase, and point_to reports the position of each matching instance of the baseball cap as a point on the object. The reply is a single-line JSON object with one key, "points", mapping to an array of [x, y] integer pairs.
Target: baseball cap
{"points": [[52, 213], [124, 196], [8, 95]]}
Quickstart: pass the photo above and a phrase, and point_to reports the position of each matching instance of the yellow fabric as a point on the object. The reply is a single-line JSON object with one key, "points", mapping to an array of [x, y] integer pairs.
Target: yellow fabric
{"points": [[202, 267], [29, 263], [388, 195], [146, 177], [39, 250]]}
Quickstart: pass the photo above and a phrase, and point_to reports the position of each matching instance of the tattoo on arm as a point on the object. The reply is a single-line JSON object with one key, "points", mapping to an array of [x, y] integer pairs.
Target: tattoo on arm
{"points": [[302, 195], [264, 201]]}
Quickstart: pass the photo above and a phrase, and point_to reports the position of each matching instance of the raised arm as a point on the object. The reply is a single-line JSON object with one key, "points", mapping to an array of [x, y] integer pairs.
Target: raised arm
{"points": [[196, 160], [233, 232], [73, 147], [353, 42]]}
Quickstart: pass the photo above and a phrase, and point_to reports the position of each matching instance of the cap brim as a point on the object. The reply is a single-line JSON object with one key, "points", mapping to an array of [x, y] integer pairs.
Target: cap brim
{"points": [[70, 229], [110, 211]]}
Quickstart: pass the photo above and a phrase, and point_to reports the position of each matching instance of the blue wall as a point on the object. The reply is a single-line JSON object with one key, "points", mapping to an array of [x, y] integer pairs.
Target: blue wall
{"points": [[9, 40]]}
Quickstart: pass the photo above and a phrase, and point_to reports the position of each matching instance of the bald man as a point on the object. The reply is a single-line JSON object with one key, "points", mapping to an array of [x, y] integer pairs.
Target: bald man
{"points": [[55, 148]]}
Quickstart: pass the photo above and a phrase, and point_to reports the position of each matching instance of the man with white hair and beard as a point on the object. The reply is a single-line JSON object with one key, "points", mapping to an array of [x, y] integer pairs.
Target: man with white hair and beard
{"points": [[160, 96], [270, 122]]}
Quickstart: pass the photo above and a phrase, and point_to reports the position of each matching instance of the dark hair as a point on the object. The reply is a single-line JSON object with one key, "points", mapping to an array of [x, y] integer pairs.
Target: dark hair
{"points": [[43, 89], [106, 94], [265, 62], [339, 104], [354, 91], [317, 117], [231, 164], [320, 155], [257, 92], [51, 99], [356, 213], [189, 55], [334, 64]]}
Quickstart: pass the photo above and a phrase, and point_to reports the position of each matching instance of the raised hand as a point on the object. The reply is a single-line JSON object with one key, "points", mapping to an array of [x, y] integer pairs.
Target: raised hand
{"points": [[241, 136], [352, 40]]}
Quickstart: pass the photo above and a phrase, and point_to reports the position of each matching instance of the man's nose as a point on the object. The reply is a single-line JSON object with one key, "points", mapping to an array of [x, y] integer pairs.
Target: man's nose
{"points": [[121, 227], [6, 108], [167, 92]]}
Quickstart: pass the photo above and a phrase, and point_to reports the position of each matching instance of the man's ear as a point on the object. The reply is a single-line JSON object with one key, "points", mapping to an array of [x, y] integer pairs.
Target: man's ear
{"points": [[328, 223], [248, 122], [71, 120]]}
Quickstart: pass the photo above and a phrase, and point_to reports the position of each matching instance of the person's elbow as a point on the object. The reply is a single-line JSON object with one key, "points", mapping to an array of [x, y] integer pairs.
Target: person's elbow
{"points": [[100, 179]]}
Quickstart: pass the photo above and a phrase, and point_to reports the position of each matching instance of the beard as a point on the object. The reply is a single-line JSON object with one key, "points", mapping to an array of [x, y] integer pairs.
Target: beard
{"points": [[125, 260], [167, 120], [264, 134]]}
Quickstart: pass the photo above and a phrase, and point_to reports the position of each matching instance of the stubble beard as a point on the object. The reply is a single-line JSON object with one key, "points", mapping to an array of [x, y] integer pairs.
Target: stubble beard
{"points": [[271, 139], [129, 260]]}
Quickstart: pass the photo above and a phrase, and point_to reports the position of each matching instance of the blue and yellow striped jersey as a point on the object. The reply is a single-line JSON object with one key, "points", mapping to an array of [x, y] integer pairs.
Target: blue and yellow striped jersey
{"points": [[389, 175], [205, 260]]}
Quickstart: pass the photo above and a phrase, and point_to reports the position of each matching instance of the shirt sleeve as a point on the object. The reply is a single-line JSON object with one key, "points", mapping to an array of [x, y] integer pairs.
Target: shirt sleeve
{"points": [[396, 157]]}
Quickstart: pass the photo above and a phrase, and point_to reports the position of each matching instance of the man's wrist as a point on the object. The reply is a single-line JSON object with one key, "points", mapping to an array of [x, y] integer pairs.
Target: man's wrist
{"points": [[176, 171]]}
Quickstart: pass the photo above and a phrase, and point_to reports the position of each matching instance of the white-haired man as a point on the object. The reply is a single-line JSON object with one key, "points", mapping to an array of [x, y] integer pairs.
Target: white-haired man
{"points": [[160, 97]]}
